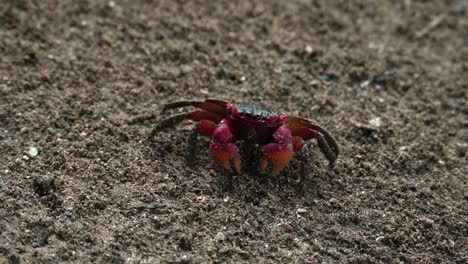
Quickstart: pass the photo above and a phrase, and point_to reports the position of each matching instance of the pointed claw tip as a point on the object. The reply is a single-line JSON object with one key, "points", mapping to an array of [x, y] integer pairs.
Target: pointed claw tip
{"points": [[268, 166], [235, 163]]}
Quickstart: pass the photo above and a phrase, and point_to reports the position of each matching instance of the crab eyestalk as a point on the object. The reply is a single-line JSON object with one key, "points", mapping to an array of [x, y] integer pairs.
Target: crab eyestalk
{"points": [[222, 150], [276, 156]]}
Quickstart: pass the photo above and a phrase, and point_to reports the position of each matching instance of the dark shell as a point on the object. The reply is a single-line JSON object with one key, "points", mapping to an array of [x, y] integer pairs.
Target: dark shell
{"points": [[254, 111]]}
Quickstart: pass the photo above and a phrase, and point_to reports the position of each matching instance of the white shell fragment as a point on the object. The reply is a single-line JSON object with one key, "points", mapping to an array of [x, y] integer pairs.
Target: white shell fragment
{"points": [[32, 152]]}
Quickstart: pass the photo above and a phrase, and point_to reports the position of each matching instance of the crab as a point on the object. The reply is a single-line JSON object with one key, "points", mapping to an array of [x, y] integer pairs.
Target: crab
{"points": [[224, 123]]}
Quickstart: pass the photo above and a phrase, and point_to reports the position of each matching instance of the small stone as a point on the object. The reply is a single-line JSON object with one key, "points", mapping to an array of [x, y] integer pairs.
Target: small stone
{"points": [[226, 199], [203, 199], [314, 83], [427, 222], [288, 227], [301, 210], [68, 213], [220, 236], [32, 152], [273, 197], [375, 121], [461, 148], [324, 77], [186, 68], [309, 49], [365, 84]]}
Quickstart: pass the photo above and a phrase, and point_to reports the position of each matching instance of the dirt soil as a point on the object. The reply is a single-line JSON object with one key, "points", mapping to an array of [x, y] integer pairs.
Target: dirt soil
{"points": [[83, 83]]}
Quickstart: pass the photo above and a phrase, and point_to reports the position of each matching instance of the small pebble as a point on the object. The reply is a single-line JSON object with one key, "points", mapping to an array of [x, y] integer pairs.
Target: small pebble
{"points": [[32, 152], [203, 199], [461, 148], [365, 84], [427, 222], [288, 227], [68, 213], [375, 121], [309, 49], [273, 197], [220, 236], [452, 244], [301, 210], [186, 68]]}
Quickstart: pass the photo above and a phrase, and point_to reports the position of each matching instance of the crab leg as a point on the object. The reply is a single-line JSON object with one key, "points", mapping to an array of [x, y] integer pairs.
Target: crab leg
{"points": [[222, 150], [278, 154], [305, 129], [210, 105], [172, 121]]}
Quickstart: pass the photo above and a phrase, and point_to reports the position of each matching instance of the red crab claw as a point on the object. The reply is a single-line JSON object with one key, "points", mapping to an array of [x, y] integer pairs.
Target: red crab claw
{"points": [[222, 150], [277, 155]]}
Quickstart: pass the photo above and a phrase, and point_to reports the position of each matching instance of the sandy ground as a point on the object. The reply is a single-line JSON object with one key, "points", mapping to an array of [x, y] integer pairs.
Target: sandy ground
{"points": [[83, 83]]}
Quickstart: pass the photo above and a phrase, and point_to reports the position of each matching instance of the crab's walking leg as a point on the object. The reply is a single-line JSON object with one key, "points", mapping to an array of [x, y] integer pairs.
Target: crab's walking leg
{"points": [[326, 149], [305, 129], [278, 154], [325, 142], [222, 150]]}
